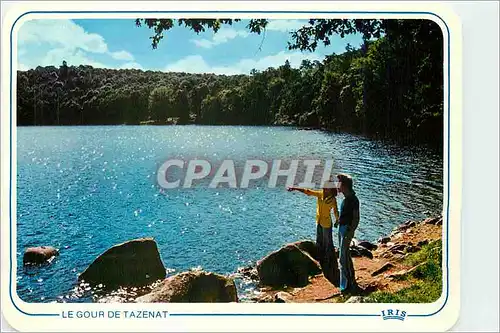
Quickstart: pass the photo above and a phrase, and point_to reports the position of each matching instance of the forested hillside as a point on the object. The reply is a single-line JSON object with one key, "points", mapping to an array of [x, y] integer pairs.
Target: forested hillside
{"points": [[389, 88]]}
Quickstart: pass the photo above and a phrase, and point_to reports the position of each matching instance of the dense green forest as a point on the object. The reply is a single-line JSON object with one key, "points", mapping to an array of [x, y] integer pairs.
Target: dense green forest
{"points": [[391, 87]]}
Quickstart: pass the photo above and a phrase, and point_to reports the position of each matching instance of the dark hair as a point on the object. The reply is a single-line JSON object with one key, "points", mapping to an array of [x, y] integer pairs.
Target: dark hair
{"points": [[345, 179]]}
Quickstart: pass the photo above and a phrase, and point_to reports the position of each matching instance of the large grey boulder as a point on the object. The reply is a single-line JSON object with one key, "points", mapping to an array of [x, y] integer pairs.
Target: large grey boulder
{"points": [[133, 263], [191, 287], [289, 266]]}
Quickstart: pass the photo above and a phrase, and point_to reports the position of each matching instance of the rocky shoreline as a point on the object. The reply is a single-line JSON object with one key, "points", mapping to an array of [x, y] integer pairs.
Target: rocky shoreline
{"points": [[133, 271], [382, 271]]}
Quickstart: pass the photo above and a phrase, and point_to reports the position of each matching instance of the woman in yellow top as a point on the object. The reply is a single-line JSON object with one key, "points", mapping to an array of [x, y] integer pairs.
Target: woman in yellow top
{"points": [[327, 202]]}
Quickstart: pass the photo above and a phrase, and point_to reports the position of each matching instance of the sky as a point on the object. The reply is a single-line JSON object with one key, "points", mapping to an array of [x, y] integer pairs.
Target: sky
{"points": [[118, 43]]}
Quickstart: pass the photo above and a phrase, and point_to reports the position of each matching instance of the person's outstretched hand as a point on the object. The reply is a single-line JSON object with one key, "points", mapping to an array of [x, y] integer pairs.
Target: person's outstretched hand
{"points": [[290, 189]]}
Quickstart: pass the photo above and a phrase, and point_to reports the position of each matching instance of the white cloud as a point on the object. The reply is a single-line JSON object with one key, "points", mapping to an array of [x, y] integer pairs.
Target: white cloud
{"points": [[285, 25], [205, 43], [61, 32], [131, 65], [189, 64], [196, 63], [49, 42], [122, 55], [72, 56], [222, 36]]}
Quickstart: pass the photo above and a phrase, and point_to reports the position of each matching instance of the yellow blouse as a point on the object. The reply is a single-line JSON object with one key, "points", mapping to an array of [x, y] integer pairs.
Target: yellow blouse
{"points": [[323, 208]]}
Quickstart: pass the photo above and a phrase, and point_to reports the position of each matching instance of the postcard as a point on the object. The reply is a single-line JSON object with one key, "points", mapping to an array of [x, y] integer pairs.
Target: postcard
{"points": [[231, 166]]}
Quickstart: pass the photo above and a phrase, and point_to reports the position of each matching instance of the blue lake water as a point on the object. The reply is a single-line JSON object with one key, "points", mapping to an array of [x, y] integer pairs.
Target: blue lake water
{"points": [[84, 189]]}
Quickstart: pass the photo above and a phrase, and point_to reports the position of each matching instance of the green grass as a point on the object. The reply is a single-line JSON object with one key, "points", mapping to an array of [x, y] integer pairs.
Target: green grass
{"points": [[431, 251], [426, 279]]}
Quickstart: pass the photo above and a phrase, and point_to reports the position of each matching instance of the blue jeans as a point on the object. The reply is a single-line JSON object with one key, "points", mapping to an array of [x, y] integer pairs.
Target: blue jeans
{"points": [[347, 276], [326, 253]]}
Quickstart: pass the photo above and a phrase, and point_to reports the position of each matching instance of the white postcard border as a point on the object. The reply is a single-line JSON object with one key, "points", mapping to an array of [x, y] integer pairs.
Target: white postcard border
{"points": [[440, 315]]}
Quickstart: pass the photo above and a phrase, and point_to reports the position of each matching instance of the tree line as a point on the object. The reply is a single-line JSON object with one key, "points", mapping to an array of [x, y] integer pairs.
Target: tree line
{"points": [[391, 87]]}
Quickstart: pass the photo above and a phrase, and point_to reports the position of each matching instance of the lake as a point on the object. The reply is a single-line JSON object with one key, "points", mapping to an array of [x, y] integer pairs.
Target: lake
{"points": [[85, 189]]}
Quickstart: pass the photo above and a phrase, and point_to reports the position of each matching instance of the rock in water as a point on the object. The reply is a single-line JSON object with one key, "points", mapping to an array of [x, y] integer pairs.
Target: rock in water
{"points": [[191, 287], [287, 266], [133, 263], [39, 255], [249, 272]]}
